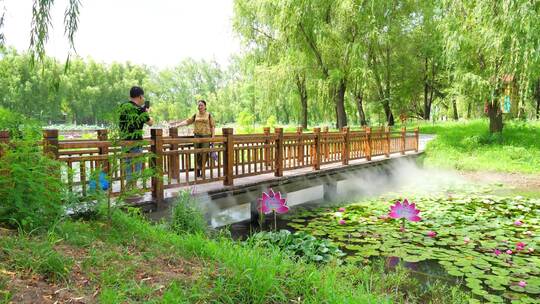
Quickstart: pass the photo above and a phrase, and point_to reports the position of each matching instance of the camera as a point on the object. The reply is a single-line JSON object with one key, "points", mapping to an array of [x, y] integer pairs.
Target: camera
{"points": [[146, 104]]}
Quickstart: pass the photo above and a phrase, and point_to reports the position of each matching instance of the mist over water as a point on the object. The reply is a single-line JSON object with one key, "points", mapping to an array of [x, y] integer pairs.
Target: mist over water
{"points": [[397, 176]]}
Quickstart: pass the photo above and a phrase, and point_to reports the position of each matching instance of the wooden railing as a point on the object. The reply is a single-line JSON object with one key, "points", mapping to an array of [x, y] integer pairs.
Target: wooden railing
{"points": [[229, 156]]}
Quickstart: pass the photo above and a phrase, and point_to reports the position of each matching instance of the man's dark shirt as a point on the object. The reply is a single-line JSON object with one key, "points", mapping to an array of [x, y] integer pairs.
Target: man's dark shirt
{"points": [[132, 120]]}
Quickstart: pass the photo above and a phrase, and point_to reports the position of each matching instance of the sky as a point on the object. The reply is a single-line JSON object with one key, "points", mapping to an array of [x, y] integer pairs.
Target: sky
{"points": [[159, 33]]}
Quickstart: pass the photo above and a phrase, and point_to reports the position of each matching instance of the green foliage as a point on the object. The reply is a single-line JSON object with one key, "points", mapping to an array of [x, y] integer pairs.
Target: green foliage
{"points": [[246, 121], [30, 190], [186, 215], [271, 121], [468, 146], [299, 244], [18, 126]]}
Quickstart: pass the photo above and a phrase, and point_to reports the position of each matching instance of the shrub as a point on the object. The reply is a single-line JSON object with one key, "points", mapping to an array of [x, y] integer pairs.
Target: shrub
{"points": [[30, 187], [186, 215], [19, 126], [299, 244], [246, 121]]}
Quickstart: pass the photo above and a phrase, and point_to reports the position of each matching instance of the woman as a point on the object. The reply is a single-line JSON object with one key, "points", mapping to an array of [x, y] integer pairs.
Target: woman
{"points": [[204, 126]]}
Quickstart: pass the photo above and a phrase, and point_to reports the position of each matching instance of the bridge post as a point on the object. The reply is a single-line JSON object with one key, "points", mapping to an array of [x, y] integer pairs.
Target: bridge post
{"points": [[174, 159], [279, 152], [330, 191], [300, 147], [403, 134], [228, 159], [417, 137], [346, 147], [368, 143], [4, 141], [317, 157], [387, 141], [324, 141], [267, 158], [50, 143], [103, 135], [156, 163]]}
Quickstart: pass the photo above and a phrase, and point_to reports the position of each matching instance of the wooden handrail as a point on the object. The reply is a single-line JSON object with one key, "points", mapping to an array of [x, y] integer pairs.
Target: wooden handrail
{"points": [[173, 159]]}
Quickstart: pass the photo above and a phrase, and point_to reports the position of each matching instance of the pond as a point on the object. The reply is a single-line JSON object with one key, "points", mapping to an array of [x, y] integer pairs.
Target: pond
{"points": [[483, 237]]}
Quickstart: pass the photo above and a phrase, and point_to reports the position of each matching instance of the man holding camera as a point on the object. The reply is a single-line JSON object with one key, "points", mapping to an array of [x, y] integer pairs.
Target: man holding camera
{"points": [[133, 115]]}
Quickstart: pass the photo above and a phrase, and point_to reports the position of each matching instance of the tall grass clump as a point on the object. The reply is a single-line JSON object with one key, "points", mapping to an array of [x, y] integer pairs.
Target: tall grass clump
{"points": [[186, 215]]}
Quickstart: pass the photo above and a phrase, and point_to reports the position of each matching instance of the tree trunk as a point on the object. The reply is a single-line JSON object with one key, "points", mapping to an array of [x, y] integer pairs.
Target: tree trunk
{"points": [[469, 110], [495, 117], [302, 91], [454, 107], [340, 105], [360, 105], [388, 113], [427, 101], [537, 97]]}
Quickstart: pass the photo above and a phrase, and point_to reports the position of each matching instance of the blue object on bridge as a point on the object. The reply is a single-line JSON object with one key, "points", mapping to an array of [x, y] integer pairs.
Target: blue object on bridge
{"points": [[103, 182]]}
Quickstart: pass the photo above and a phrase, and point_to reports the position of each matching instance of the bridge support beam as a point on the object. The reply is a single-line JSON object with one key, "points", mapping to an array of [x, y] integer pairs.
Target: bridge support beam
{"points": [[330, 190]]}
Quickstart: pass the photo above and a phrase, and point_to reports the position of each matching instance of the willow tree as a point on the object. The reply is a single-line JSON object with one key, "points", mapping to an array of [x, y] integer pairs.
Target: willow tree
{"points": [[315, 38], [489, 41]]}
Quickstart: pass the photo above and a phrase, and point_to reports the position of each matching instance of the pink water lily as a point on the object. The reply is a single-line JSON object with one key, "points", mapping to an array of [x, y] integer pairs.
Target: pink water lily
{"points": [[431, 234], [342, 222], [509, 251], [404, 210], [520, 246], [341, 209], [522, 283], [518, 223], [272, 201], [466, 240], [497, 252]]}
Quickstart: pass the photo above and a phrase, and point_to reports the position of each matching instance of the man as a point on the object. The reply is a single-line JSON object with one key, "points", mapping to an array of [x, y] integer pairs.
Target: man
{"points": [[133, 116]]}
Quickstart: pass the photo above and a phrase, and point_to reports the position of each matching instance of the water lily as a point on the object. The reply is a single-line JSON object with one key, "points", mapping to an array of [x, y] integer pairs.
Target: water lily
{"points": [[522, 283], [530, 249], [272, 201], [404, 210], [342, 222], [466, 240], [431, 234], [341, 209], [497, 252], [528, 232], [518, 223], [520, 246], [509, 251]]}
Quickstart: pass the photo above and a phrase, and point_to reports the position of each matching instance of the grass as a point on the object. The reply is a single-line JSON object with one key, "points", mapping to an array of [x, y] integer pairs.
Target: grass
{"points": [[130, 260], [469, 146]]}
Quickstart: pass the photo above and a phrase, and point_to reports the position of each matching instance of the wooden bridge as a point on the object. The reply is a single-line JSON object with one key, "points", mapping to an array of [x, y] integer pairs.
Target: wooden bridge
{"points": [[237, 158]]}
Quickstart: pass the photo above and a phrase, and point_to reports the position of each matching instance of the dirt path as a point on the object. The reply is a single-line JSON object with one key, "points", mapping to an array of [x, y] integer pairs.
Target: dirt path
{"points": [[513, 180]]}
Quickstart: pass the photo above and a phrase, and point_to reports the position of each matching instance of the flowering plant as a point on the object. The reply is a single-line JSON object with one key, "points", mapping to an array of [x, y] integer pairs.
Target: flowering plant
{"points": [[404, 211]]}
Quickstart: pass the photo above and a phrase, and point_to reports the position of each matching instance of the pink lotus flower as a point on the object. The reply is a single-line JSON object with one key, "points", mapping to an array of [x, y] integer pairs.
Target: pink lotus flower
{"points": [[509, 251], [342, 222], [431, 234], [466, 240], [518, 223], [520, 246], [272, 201], [497, 252], [341, 209], [522, 283], [405, 210]]}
